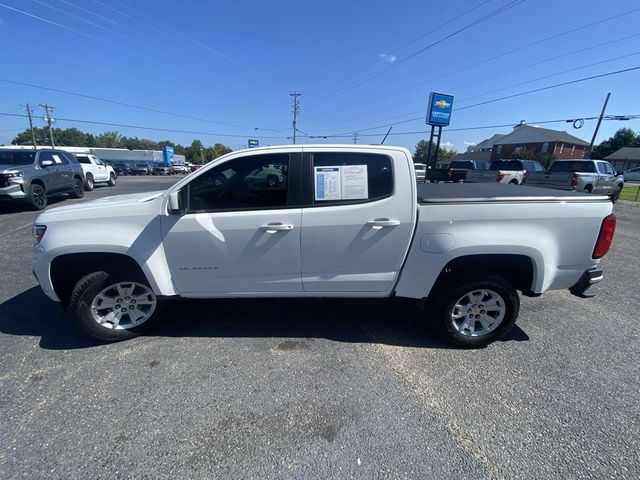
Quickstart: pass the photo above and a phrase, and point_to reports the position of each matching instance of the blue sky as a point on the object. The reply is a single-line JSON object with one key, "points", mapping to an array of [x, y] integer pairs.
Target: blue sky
{"points": [[360, 66]]}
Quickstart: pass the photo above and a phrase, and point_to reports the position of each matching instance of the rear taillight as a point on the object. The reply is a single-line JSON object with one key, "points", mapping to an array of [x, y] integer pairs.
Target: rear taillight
{"points": [[449, 174], [499, 177], [524, 177], [574, 180], [605, 237]]}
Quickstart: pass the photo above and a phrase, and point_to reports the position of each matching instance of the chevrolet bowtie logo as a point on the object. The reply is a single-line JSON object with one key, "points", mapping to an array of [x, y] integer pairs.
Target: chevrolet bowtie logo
{"points": [[442, 104]]}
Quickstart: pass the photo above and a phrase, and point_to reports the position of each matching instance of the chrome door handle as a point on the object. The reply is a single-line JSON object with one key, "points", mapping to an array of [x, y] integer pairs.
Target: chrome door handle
{"points": [[277, 227], [379, 223]]}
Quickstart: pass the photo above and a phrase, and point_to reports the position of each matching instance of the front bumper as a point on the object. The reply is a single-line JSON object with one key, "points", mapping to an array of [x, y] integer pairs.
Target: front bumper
{"points": [[584, 287], [13, 192], [41, 267]]}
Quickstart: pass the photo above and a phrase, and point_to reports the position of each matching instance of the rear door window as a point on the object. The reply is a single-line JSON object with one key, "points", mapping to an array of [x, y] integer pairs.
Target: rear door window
{"points": [[351, 177]]}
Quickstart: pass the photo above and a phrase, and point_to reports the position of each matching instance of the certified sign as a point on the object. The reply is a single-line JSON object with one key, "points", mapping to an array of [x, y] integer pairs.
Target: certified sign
{"points": [[440, 107]]}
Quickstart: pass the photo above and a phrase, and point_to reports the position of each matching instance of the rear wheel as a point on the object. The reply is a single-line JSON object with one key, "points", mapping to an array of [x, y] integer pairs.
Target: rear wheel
{"points": [[271, 181], [474, 313], [588, 189], [89, 183], [78, 188], [37, 197], [513, 182], [111, 307], [112, 180]]}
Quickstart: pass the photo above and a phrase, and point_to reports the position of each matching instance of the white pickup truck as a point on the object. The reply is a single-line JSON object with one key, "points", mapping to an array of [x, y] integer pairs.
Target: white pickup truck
{"points": [[341, 221], [514, 172], [95, 171]]}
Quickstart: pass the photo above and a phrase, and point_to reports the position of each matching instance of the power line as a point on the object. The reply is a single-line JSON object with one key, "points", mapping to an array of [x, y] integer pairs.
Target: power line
{"points": [[550, 76], [140, 127], [42, 19], [548, 87], [514, 50], [396, 50], [383, 70], [131, 105]]}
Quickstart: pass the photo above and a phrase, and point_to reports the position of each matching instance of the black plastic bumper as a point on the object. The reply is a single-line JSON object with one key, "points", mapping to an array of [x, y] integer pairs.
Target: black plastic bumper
{"points": [[584, 287]]}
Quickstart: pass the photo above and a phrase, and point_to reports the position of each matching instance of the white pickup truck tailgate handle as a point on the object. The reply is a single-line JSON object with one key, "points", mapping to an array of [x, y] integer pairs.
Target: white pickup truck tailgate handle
{"points": [[277, 227], [379, 223]]}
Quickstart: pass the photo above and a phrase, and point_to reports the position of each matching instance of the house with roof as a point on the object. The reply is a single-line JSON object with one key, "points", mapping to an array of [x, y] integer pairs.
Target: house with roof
{"points": [[624, 158], [535, 141]]}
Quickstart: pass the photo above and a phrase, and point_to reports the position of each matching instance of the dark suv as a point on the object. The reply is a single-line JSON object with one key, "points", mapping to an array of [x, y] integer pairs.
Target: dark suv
{"points": [[34, 175]]}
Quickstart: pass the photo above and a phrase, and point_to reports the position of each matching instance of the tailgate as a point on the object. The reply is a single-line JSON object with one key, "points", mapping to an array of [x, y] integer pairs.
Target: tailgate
{"points": [[560, 180], [484, 176]]}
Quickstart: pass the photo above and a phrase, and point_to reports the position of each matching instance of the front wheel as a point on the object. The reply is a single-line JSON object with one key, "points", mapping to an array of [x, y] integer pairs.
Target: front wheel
{"points": [[616, 194], [111, 307], [474, 313], [37, 197]]}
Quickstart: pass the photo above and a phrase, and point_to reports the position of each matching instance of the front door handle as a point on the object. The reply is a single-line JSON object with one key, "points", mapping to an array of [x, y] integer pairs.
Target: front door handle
{"points": [[379, 223], [277, 227]]}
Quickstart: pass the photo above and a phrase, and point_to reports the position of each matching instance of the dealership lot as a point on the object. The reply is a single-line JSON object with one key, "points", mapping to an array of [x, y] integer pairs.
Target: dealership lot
{"points": [[319, 388]]}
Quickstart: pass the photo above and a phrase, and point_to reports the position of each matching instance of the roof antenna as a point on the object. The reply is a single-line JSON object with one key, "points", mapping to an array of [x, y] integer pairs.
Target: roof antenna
{"points": [[385, 137]]}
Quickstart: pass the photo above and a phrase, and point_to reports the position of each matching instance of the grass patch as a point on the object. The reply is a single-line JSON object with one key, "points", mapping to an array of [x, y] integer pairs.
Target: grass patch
{"points": [[631, 193]]}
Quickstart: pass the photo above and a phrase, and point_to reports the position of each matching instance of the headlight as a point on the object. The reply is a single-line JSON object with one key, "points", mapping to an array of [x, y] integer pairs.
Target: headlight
{"points": [[13, 177], [38, 232]]}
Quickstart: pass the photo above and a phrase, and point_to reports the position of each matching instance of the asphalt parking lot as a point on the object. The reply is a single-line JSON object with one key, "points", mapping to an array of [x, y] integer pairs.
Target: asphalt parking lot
{"points": [[319, 388]]}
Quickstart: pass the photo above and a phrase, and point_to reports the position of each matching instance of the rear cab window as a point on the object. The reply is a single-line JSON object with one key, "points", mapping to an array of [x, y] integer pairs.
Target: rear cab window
{"points": [[340, 178]]}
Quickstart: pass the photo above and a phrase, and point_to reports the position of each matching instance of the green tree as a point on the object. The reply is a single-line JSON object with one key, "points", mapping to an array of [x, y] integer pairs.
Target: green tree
{"points": [[70, 137], [625, 137], [109, 139], [422, 149]]}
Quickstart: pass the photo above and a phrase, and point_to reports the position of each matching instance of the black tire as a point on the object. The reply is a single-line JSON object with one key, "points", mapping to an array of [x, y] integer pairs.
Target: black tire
{"points": [[79, 307], [78, 188], [444, 299], [89, 184], [513, 182], [271, 181], [616, 195], [588, 189], [112, 180], [37, 199]]}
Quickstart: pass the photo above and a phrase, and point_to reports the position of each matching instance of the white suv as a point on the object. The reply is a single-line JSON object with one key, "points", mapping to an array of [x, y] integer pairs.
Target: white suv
{"points": [[95, 171]]}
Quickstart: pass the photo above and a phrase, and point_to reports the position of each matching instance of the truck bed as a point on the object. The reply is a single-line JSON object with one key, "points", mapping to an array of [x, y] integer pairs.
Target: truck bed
{"points": [[430, 193]]}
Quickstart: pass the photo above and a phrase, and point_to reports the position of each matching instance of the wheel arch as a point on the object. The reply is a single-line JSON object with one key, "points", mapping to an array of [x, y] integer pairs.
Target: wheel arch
{"points": [[67, 269], [517, 269]]}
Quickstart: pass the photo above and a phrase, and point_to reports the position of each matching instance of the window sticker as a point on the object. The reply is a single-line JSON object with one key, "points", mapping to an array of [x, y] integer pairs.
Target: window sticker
{"points": [[346, 182], [354, 182], [327, 180]]}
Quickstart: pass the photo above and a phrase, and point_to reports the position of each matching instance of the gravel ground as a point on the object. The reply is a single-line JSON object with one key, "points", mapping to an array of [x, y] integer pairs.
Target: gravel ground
{"points": [[319, 388]]}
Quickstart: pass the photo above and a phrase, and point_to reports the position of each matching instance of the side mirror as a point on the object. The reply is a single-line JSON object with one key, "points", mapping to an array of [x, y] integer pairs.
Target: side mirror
{"points": [[175, 203], [46, 163]]}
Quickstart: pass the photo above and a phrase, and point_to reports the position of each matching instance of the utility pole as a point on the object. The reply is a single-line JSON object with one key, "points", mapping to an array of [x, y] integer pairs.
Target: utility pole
{"points": [[296, 110], [29, 110], [355, 137], [48, 109], [595, 133]]}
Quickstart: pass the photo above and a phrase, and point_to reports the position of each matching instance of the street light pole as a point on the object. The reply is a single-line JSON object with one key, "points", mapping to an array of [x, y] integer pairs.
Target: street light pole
{"points": [[595, 133]]}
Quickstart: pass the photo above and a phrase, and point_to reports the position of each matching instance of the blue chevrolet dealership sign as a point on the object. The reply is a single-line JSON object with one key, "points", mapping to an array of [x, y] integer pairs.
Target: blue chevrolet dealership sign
{"points": [[253, 144], [167, 154], [440, 107]]}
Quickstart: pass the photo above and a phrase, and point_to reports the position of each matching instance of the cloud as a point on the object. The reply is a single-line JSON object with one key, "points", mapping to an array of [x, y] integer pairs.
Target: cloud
{"points": [[470, 144], [448, 144], [388, 58]]}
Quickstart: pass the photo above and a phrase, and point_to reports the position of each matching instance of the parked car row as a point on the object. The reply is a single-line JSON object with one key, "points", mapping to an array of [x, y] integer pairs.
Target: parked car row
{"points": [[148, 168]]}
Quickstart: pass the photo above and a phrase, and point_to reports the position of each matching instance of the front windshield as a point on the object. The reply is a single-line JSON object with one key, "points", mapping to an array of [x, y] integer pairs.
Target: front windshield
{"points": [[17, 157]]}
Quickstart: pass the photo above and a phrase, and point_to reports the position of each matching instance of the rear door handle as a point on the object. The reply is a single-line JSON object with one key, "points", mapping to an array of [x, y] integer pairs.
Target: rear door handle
{"points": [[379, 223], [277, 227]]}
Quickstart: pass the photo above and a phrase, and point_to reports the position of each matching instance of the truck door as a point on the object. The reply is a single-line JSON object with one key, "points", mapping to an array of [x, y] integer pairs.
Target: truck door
{"points": [[102, 175], [605, 179], [50, 175], [240, 232], [356, 231]]}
